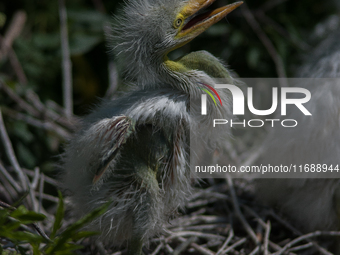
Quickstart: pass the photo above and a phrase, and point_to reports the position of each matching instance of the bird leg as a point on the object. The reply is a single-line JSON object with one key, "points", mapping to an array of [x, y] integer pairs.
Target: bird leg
{"points": [[135, 246]]}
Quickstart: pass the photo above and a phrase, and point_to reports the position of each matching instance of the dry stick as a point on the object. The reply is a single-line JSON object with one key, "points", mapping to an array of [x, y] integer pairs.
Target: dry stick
{"points": [[46, 197], [17, 67], [46, 125], [47, 179], [4, 192], [36, 176], [10, 179], [10, 191], [201, 249], [10, 154], [169, 249], [306, 238], [13, 31], [238, 212], [255, 251], [41, 189], [20, 102], [66, 60], [302, 247], [184, 245], [38, 109], [297, 232], [200, 227], [232, 247], [267, 43], [196, 234], [274, 246], [224, 246], [34, 99], [266, 238], [159, 247]]}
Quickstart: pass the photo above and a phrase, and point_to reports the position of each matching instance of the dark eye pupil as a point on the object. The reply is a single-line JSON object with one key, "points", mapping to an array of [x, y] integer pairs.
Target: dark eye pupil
{"points": [[179, 22]]}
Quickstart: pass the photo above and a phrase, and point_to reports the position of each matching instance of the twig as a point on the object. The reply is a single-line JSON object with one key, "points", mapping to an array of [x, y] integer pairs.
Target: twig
{"points": [[159, 247], [266, 42], [17, 67], [66, 60], [224, 246], [297, 232], [184, 245], [47, 125], [302, 247], [238, 212], [10, 154], [232, 247], [169, 249], [41, 191], [34, 99], [47, 179], [266, 238], [255, 251], [46, 197], [306, 238], [197, 234], [10, 179], [20, 102], [201, 249], [13, 31]]}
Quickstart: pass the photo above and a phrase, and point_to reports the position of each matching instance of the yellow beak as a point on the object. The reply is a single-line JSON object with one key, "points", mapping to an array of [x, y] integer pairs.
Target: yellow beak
{"points": [[197, 23]]}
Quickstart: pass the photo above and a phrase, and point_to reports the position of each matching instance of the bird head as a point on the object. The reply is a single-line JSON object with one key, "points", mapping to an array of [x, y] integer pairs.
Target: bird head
{"points": [[145, 31]]}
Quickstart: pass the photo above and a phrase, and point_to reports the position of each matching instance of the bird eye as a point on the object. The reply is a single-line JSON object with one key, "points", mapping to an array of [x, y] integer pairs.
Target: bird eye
{"points": [[178, 22]]}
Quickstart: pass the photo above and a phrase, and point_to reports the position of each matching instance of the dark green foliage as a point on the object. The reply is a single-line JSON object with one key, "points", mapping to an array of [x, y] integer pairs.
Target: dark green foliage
{"points": [[61, 241]]}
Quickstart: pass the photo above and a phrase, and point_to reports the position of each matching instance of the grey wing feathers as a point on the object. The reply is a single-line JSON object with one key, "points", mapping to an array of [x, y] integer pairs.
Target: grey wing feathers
{"points": [[115, 132]]}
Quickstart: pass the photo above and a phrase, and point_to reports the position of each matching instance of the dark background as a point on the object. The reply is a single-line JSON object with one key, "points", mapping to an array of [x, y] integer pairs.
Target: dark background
{"points": [[287, 25]]}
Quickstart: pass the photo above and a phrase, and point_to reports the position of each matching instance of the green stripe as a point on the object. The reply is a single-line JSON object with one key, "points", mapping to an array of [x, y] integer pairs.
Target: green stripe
{"points": [[207, 91]]}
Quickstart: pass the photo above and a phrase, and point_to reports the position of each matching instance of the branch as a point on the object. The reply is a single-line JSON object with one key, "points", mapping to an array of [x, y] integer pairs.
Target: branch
{"points": [[238, 212], [266, 42], [10, 154], [13, 31], [66, 60]]}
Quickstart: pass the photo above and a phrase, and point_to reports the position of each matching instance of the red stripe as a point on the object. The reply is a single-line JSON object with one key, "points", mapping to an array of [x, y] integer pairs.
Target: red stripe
{"points": [[212, 89]]}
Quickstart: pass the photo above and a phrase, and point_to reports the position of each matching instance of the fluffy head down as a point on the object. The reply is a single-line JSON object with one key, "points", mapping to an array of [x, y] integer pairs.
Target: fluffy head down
{"points": [[142, 33]]}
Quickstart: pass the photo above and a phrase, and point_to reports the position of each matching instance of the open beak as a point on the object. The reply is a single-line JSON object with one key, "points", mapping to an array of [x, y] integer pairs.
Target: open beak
{"points": [[198, 21]]}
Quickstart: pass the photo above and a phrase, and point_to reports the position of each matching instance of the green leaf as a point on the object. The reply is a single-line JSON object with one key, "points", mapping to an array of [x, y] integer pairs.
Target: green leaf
{"points": [[59, 215], [69, 233], [25, 216], [84, 234], [24, 237]]}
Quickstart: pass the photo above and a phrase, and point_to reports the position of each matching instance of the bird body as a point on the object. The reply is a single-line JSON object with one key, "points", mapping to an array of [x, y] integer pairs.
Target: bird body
{"points": [[134, 151], [310, 201]]}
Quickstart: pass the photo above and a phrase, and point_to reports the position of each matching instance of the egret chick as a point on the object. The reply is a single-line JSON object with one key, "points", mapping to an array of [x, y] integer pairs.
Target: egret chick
{"points": [[311, 203], [133, 151]]}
